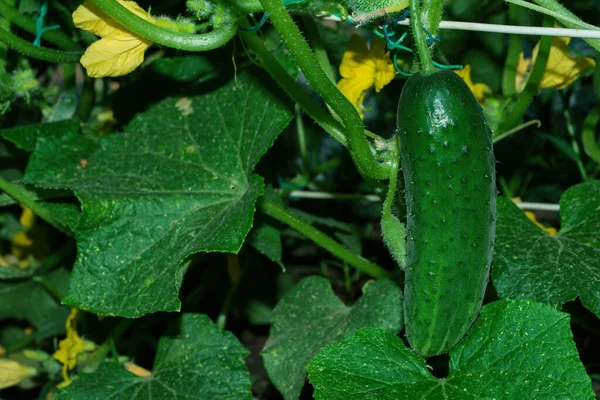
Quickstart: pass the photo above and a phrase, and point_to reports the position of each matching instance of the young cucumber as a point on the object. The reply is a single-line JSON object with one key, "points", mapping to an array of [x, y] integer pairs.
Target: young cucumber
{"points": [[448, 167]]}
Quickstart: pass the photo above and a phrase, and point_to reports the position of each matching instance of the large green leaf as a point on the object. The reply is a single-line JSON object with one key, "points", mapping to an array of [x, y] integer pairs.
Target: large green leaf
{"points": [[25, 137], [515, 350], [310, 316], [531, 264], [266, 238], [197, 362], [30, 300], [177, 181], [55, 201]]}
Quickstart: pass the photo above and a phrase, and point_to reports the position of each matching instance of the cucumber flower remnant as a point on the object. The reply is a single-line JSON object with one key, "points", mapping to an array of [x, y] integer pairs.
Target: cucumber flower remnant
{"points": [[119, 51], [480, 90], [562, 68], [363, 68], [12, 373], [548, 229], [69, 348]]}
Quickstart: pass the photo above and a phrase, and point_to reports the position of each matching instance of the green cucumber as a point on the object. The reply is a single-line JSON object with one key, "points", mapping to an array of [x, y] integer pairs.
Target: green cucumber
{"points": [[449, 173]]}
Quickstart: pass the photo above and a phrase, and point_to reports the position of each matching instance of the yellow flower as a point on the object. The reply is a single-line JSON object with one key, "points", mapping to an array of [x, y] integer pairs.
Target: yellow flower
{"points": [[69, 348], [119, 51], [29, 242], [21, 243], [522, 72], [549, 230], [480, 90], [562, 68], [363, 68], [12, 373], [136, 369]]}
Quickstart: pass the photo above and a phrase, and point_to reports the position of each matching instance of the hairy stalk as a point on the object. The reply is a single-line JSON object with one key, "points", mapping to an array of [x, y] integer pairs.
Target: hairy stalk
{"points": [[532, 85], [165, 37], [512, 58], [432, 14], [56, 37], [29, 50], [28, 199], [566, 17], [274, 68], [360, 150], [278, 212], [427, 67], [312, 32]]}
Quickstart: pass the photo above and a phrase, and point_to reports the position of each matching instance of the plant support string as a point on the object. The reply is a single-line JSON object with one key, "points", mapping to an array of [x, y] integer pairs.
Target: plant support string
{"points": [[508, 29]]}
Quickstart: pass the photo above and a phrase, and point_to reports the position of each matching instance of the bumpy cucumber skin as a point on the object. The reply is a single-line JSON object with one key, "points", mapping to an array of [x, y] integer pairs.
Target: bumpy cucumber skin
{"points": [[449, 172]]}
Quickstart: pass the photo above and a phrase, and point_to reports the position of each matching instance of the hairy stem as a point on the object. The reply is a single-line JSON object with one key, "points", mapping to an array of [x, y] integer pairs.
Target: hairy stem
{"points": [[432, 15], [359, 147], [102, 351], [512, 58], [28, 199], [312, 32], [532, 85], [274, 68], [588, 135], [165, 37], [278, 212], [29, 50], [56, 37], [427, 67], [566, 17]]}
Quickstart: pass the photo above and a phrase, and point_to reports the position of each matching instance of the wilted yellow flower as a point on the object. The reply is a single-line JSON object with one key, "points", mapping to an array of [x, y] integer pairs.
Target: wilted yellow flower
{"points": [[363, 68], [136, 369], [522, 74], [549, 230], [480, 90], [562, 68], [119, 51], [69, 348], [21, 243], [29, 242], [12, 373]]}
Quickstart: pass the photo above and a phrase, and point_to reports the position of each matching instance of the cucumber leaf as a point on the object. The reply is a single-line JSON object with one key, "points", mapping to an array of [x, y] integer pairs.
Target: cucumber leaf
{"points": [[177, 181], [25, 137], [531, 264], [515, 350], [29, 300], [197, 361], [310, 316], [266, 238]]}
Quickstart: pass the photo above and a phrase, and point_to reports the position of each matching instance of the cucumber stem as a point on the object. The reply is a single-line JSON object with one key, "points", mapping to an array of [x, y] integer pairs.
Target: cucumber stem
{"points": [[218, 37], [278, 73], [427, 67], [58, 37], [433, 15], [41, 53], [533, 82], [512, 58], [360, 150], [28, 199], [279, 212]]}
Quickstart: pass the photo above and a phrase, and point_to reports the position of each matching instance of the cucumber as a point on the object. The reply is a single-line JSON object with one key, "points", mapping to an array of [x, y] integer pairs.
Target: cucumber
{"points": [[449, 172]]}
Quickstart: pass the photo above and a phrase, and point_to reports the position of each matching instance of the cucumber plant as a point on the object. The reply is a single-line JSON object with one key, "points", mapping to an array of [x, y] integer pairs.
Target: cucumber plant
{"points": [[187, 232]]}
